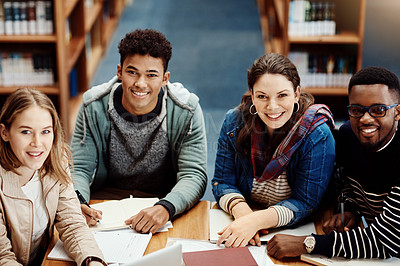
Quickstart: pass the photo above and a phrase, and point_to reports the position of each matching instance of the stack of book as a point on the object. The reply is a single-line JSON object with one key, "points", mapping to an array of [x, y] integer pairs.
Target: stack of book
{"points": [[311, 18], [26, 69], [323, 70], [25, 17]]}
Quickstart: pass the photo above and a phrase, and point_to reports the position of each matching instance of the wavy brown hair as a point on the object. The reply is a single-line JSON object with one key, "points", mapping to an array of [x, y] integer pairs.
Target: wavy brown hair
{"points": [[58, 162], [271, 63]]}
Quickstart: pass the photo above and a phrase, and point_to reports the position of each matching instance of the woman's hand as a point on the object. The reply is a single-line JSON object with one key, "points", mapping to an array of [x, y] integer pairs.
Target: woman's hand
{"points": [[240, 232], [243, 209]]}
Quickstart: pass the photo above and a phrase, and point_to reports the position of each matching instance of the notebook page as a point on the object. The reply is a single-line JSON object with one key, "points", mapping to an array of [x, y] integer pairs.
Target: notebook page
{"points": [[118, 246]]}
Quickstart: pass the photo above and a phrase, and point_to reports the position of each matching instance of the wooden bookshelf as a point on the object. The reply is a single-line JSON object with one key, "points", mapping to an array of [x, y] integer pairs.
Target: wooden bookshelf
{"points": [[349, 18], [69, 51]]}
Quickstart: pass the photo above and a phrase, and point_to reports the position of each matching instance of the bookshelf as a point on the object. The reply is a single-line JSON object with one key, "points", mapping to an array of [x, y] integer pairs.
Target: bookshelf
{"points": [[76, 37], [285, 29]]}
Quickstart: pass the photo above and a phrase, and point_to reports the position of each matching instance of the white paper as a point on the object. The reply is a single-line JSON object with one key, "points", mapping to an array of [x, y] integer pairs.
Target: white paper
{"points": [[118, 246]]}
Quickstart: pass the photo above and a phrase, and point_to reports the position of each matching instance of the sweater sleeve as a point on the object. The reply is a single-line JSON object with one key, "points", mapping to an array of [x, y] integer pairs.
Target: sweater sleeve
{"points": [[379, 240], [191, 161]]}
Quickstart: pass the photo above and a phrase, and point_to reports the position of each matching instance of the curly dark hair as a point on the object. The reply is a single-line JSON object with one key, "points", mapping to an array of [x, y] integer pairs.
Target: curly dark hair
{"points": [[146, 42], [376, 75]]}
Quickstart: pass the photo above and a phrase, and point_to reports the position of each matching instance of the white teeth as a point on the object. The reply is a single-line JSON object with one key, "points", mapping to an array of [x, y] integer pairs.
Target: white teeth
{"points": [[34, 153], [368, 130], [275, 116], [140, 93]]}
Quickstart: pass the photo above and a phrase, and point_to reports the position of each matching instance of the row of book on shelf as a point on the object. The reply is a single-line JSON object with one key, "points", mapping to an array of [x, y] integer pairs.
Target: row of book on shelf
{"points": [[26, 69], [308, 18], [25, 17], [323, 70]]}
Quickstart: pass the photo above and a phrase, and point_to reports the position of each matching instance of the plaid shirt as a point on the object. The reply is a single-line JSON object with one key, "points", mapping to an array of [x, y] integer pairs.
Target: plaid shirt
{"points": [[313, 117]]}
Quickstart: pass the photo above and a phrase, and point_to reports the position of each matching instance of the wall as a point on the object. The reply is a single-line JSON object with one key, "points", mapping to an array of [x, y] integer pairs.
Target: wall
{"points": [[381, 36]]}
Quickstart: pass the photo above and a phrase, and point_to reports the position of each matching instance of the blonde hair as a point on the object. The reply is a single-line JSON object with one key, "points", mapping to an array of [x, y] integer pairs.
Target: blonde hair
{"points": [[59, 160]]}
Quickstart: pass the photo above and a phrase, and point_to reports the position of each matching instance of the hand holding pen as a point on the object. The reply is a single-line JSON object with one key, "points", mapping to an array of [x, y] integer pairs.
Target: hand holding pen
{"points": [[340, 222], [92, 216]]}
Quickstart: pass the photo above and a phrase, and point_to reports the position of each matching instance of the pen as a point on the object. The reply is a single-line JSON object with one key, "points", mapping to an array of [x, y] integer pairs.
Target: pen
{"points": [[342, 207], [364, 222], [83, 201]]}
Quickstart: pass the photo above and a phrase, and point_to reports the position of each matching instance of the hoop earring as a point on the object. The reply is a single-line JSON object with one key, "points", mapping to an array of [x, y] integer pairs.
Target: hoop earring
{"points": [[295, 110], [254, 108]]}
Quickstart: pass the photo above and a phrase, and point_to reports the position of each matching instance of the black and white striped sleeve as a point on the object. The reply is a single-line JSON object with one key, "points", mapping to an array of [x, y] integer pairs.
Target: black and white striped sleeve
{"points": [[380, 240]]}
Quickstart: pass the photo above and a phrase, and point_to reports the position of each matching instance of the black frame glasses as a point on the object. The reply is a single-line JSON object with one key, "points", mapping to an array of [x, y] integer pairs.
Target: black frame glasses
{"points": [[377, 110]]}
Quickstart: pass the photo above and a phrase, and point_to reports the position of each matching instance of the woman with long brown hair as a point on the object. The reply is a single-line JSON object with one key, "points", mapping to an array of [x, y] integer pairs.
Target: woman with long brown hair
{"points": [[275, 153]]}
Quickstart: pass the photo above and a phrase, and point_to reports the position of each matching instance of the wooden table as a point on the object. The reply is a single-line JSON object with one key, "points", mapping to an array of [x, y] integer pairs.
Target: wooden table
{"points": [[193, 224]]}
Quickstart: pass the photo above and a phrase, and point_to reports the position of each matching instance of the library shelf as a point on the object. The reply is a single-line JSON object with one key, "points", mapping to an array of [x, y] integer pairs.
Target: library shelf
{"points": [[81, 31], [344, 43]]}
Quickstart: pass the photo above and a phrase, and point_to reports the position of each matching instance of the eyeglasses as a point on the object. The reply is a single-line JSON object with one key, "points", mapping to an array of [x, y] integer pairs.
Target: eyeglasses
{"points": [[378, 110]]}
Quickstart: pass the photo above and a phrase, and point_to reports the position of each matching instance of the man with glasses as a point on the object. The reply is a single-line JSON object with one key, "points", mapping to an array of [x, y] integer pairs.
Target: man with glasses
{"points": [[368, 175]]}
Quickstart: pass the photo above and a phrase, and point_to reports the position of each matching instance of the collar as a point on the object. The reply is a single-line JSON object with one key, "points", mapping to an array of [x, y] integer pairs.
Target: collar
{"points": [[387, 144]]}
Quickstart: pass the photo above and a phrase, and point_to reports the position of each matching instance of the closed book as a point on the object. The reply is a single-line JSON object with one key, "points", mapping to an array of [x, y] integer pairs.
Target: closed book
{"points": [[41, 17], [49, 17], [8, 18], [16, 10], [220, 257], [1, 18], [24, 17], [31, 9]]}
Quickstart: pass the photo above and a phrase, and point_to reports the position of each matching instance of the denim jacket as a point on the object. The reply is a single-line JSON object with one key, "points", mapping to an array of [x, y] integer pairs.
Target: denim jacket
{"points": [[308, 172]]}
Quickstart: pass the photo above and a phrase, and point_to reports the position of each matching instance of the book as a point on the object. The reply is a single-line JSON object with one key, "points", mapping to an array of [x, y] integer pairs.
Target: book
{"points": [[220, 257], [115, 212], [16, 14], [191, 245], [41, 17], [118, 246], [31, 13], [24, 17], [1, 18], [219, 219], [48, 10], [8, 18], [321, 260]]}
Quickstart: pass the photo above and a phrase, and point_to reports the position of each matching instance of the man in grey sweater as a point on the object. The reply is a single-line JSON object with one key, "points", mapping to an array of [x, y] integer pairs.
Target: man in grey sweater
{"points": [[141, 135]]}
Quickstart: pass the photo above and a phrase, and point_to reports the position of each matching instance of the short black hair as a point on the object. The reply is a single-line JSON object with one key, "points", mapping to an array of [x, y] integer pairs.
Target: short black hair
{"points": [[146, 42], [376, 75]]}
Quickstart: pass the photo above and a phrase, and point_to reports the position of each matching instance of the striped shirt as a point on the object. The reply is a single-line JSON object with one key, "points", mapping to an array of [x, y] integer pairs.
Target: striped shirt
{"points": [[368, 204], [270, 192], [266, 194], [380, 240]]}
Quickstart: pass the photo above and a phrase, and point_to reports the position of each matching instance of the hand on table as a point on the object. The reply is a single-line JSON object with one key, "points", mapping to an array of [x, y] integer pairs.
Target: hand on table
{"points": [[91, 215], [240, 232], [281, 246], [335, 223], [149, 220]]}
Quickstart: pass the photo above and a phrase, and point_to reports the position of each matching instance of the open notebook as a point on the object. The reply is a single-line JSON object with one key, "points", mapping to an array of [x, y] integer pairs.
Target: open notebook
{"points": [[115, 212], [220, 219], [118, 246]]}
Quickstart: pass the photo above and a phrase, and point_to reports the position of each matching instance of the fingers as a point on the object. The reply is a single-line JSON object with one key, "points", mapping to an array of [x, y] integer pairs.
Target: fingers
{"points": [[92, 216], [144, 224], [257, 239]]}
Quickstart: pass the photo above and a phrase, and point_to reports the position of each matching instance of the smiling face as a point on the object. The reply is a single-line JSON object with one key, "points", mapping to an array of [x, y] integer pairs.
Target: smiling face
{"points": [[274, 97], [374, 133], [31, 138], [142, 77]]}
